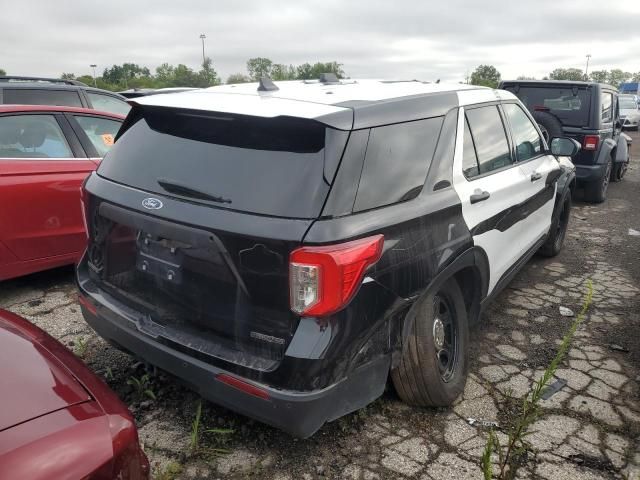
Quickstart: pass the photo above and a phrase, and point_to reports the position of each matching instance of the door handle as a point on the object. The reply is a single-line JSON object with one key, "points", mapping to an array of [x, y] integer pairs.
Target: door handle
{"points": [[535, 176], [479, 197]]}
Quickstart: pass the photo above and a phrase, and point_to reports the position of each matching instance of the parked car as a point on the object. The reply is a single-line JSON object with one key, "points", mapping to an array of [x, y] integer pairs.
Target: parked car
{"points": [[587, 112], [58, 420], [45, 154], [143, 92], [52, 91], [285, 248], [629, 112]]}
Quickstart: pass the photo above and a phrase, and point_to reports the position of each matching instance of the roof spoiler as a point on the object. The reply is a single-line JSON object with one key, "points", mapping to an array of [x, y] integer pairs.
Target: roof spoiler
{"points": [[16, 78]]}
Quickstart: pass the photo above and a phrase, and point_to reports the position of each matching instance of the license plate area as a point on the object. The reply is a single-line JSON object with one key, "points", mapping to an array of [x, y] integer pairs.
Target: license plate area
{"points": [[160, 257]]}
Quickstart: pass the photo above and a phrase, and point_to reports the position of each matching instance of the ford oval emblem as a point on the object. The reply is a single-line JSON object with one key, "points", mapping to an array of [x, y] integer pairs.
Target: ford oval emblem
{"points": [[152, 203]]}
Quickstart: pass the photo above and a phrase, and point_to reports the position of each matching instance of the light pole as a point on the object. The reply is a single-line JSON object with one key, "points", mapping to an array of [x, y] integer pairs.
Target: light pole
{"points": [[586, 70], [202, 37], [93, 65]]}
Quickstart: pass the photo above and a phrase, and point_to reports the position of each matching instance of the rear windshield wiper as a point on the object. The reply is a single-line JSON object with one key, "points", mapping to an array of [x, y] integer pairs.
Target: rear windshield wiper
{"points": [[172, 186]]}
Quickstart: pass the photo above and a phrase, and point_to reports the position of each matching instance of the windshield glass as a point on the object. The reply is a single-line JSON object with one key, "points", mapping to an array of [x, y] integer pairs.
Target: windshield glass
{"points": [[569, 104], [269, 166], [628, 103]]}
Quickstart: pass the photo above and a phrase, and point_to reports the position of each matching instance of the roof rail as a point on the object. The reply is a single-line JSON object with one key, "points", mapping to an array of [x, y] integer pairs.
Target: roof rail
{"points": [[267, 85], [329, 77], [16, 78]]}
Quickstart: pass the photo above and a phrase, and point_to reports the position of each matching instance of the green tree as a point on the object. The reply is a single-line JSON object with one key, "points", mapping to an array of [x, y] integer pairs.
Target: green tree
{"points": [[486, 76], [306, 71], [524, 77], [68, 76], [617, 76], [281, 72], [600, 76], [208, 75], [164, 74], [238, 78], [2, 72], [259, 67], [573, 74], [634, 78]]}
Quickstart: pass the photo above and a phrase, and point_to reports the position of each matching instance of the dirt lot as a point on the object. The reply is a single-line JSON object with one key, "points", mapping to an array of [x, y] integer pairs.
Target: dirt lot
{"points": [[590, 429]]}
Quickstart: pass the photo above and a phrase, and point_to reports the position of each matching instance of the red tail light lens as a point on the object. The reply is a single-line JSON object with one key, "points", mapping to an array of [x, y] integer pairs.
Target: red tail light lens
{"points": [[590, 142], [324, 279]]}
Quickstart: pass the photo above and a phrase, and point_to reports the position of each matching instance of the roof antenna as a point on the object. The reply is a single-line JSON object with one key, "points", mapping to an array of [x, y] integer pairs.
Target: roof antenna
{"points": [[267, 85], [438, 81], [329, 78]]}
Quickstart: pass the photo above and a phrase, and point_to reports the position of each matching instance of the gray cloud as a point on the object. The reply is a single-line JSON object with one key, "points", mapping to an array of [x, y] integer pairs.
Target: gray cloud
{"points": [[399, 39]]}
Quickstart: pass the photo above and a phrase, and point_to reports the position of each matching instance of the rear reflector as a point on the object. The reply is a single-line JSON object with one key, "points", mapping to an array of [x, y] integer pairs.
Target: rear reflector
{"points": [[324, 279], [243, 386], [590, 142], [86, 303]]}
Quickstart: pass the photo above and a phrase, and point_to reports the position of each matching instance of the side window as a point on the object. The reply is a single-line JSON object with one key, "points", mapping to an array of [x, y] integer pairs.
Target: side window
{"points": [[44, 96], [32, 136], [469, 158], [607, 107], [101, 131], [107, 103], [396, 162], [489, 138], [525, 136]]}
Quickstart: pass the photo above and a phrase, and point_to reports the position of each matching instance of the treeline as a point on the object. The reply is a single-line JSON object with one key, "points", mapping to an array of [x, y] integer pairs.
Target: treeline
{"points": [[489, 76], [132, 75]]}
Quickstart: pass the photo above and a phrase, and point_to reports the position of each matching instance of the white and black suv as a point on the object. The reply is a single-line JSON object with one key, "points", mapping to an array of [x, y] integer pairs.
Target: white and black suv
{"points": [[287, 248]]}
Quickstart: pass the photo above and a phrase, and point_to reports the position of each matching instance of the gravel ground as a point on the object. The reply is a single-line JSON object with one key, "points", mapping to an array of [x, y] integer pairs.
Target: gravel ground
{"points": [[589, 429]]}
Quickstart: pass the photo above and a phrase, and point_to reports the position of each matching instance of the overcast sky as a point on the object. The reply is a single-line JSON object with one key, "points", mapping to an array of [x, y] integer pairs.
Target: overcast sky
{"points": [[383, 39]]}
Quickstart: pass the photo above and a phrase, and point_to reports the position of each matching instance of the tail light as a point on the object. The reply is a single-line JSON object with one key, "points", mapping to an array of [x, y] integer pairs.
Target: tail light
{"points": [[324, 279], [243, 386], [590, 142]]}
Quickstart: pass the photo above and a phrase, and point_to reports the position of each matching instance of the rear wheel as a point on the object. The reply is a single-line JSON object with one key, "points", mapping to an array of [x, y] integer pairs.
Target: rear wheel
{"points": [[558, 230], [549, 125], [596, 192], [433, 368]]}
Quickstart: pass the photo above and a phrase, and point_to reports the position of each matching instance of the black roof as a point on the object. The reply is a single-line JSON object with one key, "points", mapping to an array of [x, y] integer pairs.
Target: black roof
{"points": [[52, 85], [577, 83]]}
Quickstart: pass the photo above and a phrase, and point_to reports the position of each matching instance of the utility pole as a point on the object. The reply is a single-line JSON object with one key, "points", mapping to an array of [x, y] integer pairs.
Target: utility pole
{"points": [[202, 37], [586, 70], [93, 65]]}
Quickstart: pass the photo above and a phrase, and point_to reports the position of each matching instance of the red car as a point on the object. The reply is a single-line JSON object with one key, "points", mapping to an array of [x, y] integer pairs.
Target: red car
{"points": [[58, 420], [45, 154]]}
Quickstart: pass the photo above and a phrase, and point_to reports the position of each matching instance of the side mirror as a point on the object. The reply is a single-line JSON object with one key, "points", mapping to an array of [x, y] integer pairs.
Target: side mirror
{"points": [[564, 147]]}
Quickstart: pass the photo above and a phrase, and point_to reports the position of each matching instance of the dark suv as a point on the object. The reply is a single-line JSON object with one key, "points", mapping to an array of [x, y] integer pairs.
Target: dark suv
{"points": [[52, 91], [284, 249], [587, 112]]}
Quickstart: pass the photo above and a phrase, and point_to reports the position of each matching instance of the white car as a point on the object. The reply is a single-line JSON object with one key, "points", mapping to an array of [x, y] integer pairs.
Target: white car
{"points": [[629, 111]]}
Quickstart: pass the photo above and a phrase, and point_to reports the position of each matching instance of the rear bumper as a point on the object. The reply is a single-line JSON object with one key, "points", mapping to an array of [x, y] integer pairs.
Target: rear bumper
{"points": [[299, 413], [589, 173]]}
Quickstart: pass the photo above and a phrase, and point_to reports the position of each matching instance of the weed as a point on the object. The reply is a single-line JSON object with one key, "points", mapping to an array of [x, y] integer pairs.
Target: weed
{"points": [[81, 346], [510, 457], [142, 386], [197, 431], [169, 472], [109, 374]]}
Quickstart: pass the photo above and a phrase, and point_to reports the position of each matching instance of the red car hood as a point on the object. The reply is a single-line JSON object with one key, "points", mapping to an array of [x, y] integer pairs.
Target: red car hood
{"points": [[32, 381]]}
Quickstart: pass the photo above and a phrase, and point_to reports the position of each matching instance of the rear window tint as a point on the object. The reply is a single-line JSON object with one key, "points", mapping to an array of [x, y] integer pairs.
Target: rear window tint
{"points": [[570, 105], [34, 96], [258, 165], [396, 163]]}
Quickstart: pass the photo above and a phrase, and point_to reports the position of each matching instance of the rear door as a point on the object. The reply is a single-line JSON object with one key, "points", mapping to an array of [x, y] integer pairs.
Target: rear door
{"points": [[42, 166], [492, 189], [96, 133]]}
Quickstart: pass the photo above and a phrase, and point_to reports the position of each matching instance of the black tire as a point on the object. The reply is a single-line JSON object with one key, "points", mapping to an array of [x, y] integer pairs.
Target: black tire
{"points": [[549, 125], [596, 192], [423, 377], [619, 170], [558, 230]]}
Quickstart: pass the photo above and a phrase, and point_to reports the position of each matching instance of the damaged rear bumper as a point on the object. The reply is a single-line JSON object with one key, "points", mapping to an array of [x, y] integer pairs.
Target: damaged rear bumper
{"points": [[300, 413]]}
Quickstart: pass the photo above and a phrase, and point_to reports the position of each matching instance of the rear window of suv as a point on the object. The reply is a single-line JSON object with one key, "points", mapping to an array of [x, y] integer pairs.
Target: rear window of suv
{"points": [[269, 166], [569, 104], [34, 96]]}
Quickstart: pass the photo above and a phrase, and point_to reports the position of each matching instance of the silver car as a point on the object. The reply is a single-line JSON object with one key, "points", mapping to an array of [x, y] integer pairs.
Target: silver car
{"points": [[629, 111]]}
